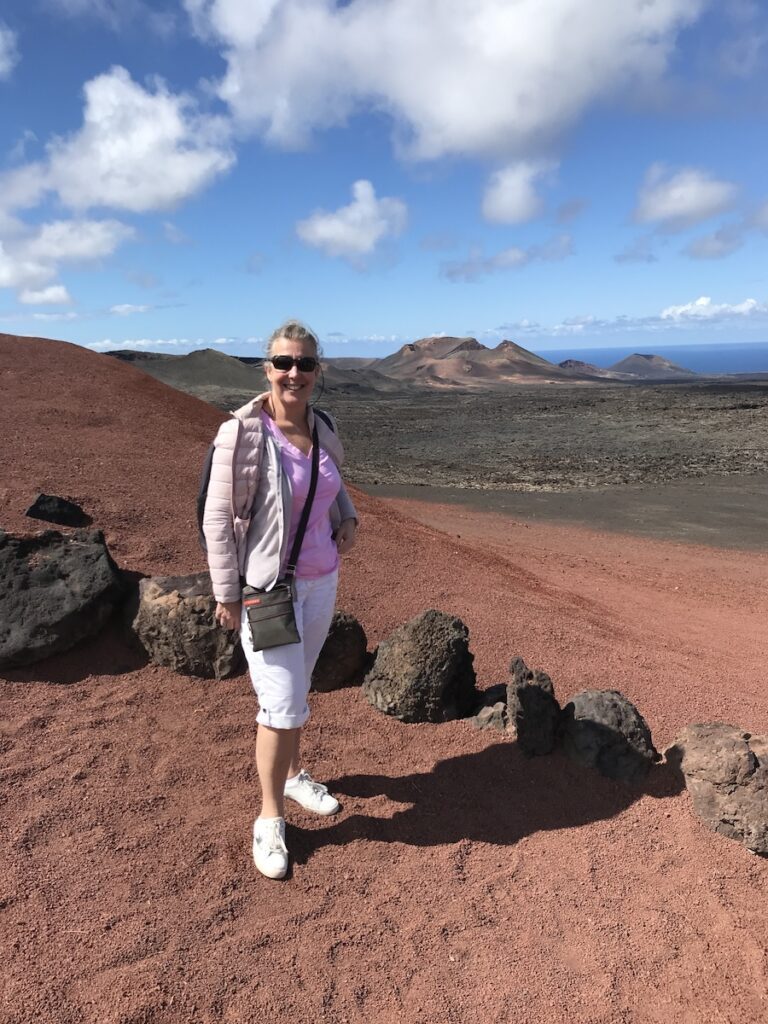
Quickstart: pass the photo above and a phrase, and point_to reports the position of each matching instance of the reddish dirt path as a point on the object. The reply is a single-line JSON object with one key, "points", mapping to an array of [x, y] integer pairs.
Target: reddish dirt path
{"points": [[461, 882]]}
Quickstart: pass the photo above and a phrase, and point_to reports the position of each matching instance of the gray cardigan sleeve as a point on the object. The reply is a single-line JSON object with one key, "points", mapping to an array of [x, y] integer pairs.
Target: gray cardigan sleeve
{"points": [[345, 506]]}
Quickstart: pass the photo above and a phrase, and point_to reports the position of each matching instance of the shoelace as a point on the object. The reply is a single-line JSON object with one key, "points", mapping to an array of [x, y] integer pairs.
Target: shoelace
{"points": [[316, 787], [272, 838]]}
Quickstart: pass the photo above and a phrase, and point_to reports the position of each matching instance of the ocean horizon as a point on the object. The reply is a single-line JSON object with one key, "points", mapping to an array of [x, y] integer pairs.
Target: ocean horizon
{"points": [[724, 358]]}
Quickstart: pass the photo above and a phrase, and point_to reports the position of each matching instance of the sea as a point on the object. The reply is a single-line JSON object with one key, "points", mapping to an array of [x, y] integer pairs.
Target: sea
{"points": [[710, 359]]}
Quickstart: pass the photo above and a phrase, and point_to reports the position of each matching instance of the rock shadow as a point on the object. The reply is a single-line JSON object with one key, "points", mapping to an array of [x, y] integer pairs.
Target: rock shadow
{"points": [[496, 796]]}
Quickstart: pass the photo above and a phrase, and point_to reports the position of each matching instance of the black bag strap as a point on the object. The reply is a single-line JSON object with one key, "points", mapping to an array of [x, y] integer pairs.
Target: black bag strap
{"points": [[290, 569], [324, 417], [202, 495]]}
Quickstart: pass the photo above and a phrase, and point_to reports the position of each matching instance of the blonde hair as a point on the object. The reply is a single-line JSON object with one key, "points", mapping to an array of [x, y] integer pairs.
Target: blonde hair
{"points": [[293, 330]]}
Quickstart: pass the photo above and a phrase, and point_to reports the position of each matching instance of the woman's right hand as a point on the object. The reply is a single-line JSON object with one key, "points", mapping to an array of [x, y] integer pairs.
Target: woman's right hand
{"points": [[228, 615]]}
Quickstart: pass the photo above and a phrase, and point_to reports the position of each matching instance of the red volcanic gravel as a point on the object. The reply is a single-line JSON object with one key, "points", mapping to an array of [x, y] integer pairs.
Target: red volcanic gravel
{"points": [[461, 882]]}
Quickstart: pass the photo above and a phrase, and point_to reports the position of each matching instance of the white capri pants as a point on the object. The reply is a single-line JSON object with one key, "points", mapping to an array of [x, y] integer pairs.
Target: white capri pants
{"points": [[281, 676]]}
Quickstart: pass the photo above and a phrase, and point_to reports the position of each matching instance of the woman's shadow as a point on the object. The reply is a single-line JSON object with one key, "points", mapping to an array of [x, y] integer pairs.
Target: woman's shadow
{"points": [[495, 796]]}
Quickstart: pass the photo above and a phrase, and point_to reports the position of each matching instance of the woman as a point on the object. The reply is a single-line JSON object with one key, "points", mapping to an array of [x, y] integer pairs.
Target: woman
{"points": [[259, 482]]}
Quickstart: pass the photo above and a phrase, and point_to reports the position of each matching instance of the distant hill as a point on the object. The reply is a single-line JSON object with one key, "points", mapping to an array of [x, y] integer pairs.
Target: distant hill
{"points": [[359, 379], [229, 381], [351, 362], [651, 367], [514, 351], [200, 369], [465, 362], [424, 352], [577, 366], [437, 362], [346, 374], [129, 355]]}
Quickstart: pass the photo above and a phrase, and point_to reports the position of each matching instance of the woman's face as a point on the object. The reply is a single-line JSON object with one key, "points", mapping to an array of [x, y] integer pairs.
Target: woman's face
{"points": [[291, 387]]}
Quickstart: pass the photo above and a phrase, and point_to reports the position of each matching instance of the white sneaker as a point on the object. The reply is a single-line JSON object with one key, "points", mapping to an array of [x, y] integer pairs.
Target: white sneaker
{"points": [[270, 854], [311, 795]]}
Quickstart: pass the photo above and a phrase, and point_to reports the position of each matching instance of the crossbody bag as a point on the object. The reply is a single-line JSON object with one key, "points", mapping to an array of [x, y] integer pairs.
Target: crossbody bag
{"points": [[271, 613]]}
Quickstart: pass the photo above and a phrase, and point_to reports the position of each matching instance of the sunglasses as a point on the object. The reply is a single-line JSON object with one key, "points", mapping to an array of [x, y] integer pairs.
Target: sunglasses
{"points": [[304, 364]]}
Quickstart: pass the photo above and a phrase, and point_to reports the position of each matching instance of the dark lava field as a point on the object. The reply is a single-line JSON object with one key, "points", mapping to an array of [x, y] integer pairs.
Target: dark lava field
{"points": [[554, 437]]}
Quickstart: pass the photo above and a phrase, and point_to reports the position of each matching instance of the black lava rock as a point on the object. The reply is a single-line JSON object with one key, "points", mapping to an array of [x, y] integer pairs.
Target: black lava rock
{"points": [[344, 655], [491, 712], [54, 591], [57, 510], [726, 772], [532, 709], [601, 729], [423, 671], [175, 625]]}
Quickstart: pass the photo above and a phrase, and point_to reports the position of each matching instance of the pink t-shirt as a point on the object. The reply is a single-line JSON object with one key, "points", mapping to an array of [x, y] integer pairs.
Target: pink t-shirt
{"points": [[318, 555]]}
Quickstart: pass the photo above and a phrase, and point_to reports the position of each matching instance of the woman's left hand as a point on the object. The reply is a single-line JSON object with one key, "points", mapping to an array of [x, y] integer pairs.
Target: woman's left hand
{"points": [[345, 536]]}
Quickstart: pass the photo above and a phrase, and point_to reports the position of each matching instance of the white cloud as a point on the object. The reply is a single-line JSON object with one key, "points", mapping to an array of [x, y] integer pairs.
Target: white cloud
{"points": [[10, 225], [231, 19], [679, 199], [513, 258], [760, 218], [49, 317], [18, 151], [719, 244], [511, 197], [30, 259], [18, 271], [148, 344], [9, 53], [470, 77], [577, 324], [22, 187], [137, 150], [519, 326], [76, 241], [705, 309], [126, 309], [355, 230], [53, 295], [701, 314]]}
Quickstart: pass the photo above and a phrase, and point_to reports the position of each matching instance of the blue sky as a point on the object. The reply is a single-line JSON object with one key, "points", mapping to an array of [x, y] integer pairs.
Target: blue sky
{"points": [[187, 174]]}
